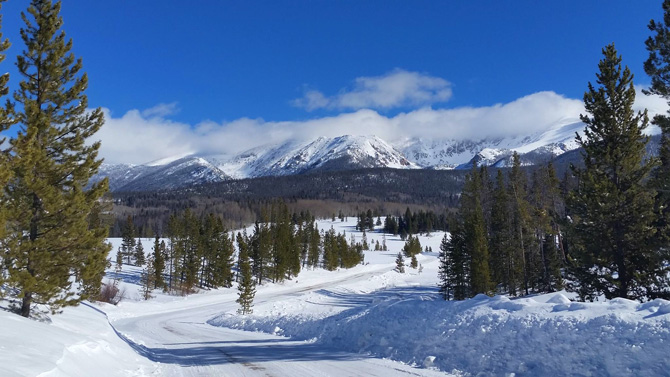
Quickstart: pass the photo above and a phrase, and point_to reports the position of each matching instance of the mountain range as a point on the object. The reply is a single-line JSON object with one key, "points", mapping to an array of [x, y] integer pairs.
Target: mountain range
{"points": [[341, 153]]}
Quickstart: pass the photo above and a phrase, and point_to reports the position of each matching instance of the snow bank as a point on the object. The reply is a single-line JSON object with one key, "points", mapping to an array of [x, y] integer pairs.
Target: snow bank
{"points": [[540, 336], [79, 342]]}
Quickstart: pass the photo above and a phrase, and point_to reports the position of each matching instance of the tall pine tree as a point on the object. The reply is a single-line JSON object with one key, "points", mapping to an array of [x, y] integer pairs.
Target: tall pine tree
{"points": [[5, 171], [56, 258], [476, 242], [657, 67], [612, 210], [247, 288]]}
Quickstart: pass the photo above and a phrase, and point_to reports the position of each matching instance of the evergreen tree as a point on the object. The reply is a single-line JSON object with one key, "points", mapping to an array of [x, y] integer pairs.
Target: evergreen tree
{"points": [[456, 262], [247, 288], [503, 270], [57, 259], [612, 210], [148, 278], [5, 171], [443, 269], [522, 236], [314, 250], [128, 239], [657, 67], [475, 234], [158, 259], [412, 247], [546, 198], [400, 263], [330, 250], [139, 256], [414, 263]]}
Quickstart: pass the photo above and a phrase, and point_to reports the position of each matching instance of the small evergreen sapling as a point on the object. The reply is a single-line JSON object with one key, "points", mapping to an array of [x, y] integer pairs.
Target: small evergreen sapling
{"points": [[400, 263]]}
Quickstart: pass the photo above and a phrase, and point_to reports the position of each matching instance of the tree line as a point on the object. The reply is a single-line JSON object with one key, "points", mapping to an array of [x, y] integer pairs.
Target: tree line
{"points": [[200, 253], [603, 231]]}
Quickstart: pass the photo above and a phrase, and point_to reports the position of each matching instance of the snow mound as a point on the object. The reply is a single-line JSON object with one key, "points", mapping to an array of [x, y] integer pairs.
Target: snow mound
{"points": [[489, 335]]}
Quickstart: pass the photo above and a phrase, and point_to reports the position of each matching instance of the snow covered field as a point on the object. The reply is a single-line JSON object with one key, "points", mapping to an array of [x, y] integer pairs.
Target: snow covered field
{"points": [[369, 320]]}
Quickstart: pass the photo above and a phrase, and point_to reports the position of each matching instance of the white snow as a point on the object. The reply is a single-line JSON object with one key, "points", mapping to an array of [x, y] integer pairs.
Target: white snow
{"points": [[369, 320]]}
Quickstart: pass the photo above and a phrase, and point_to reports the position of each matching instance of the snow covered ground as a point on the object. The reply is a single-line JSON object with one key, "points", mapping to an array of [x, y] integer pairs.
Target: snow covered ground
{"points": [[369, 320]]}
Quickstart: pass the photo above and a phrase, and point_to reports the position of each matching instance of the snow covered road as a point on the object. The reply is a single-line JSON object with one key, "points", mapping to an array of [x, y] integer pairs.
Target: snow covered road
{"points": [[185, 345]]}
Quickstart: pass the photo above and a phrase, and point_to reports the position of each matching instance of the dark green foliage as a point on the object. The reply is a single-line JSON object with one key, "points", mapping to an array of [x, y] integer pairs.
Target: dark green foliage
{"points": [[128, 240], [412, 247], [53, 255], [455, 264], [547, 210], [612, 211], [139, 256], [522, 236], [314, 248], [657, 67], [443, 277], [400, 263], [5, 169], [414, 263], [331, 258], [503, 271], [476, 243], [148, 278], [158, 259], [247, 288], [415, 223], [217, 254]]}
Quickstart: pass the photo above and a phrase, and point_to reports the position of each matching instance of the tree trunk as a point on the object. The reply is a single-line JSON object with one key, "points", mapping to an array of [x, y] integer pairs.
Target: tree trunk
{"points": [[26, 303]]}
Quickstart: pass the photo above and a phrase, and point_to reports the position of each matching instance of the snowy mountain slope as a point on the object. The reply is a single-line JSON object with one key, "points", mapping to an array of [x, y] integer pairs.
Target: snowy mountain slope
{"points": [[447, 153], [182, 172], [342, 153], [294, 157]]}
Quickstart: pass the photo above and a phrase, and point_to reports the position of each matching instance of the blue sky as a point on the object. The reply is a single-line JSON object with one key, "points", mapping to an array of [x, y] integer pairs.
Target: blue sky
{"points": [[214, 64]]}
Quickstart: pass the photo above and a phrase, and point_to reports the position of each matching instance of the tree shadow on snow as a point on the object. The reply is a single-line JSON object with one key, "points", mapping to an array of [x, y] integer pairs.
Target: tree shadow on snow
{"points": [[246, 353]]}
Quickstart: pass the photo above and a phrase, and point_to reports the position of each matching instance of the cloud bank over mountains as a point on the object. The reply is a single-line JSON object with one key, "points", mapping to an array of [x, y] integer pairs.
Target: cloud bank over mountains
{"points": [[141, 136]]}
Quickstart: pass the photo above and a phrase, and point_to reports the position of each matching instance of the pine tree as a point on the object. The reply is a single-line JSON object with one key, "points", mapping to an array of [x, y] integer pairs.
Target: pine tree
{"points": [[247, 288], [148, 278], [657, 67], [414, 263], [457, 262], [475, 234], [56, 256], [139, 256], [400, 263], [128, 239], [502, 261], [443, 269], [612, 210], [5, 171], [545, 202], [412, 247], [522, 236], [314, 250], [158, 259]]}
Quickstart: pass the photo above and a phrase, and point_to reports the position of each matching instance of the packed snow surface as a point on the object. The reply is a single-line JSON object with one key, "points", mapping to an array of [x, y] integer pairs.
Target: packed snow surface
{"points": [[369, 320]]}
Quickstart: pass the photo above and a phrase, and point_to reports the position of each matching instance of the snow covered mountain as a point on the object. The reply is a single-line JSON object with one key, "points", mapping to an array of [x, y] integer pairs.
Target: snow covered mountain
{"points": [[322, 154], [341, 153], [535, 148], [182, 172], [293, 157]]}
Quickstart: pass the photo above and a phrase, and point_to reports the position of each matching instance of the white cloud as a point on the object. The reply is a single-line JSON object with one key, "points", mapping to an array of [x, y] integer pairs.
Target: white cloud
{"points": [[143, 136], [161, 110], [395, 89]]}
